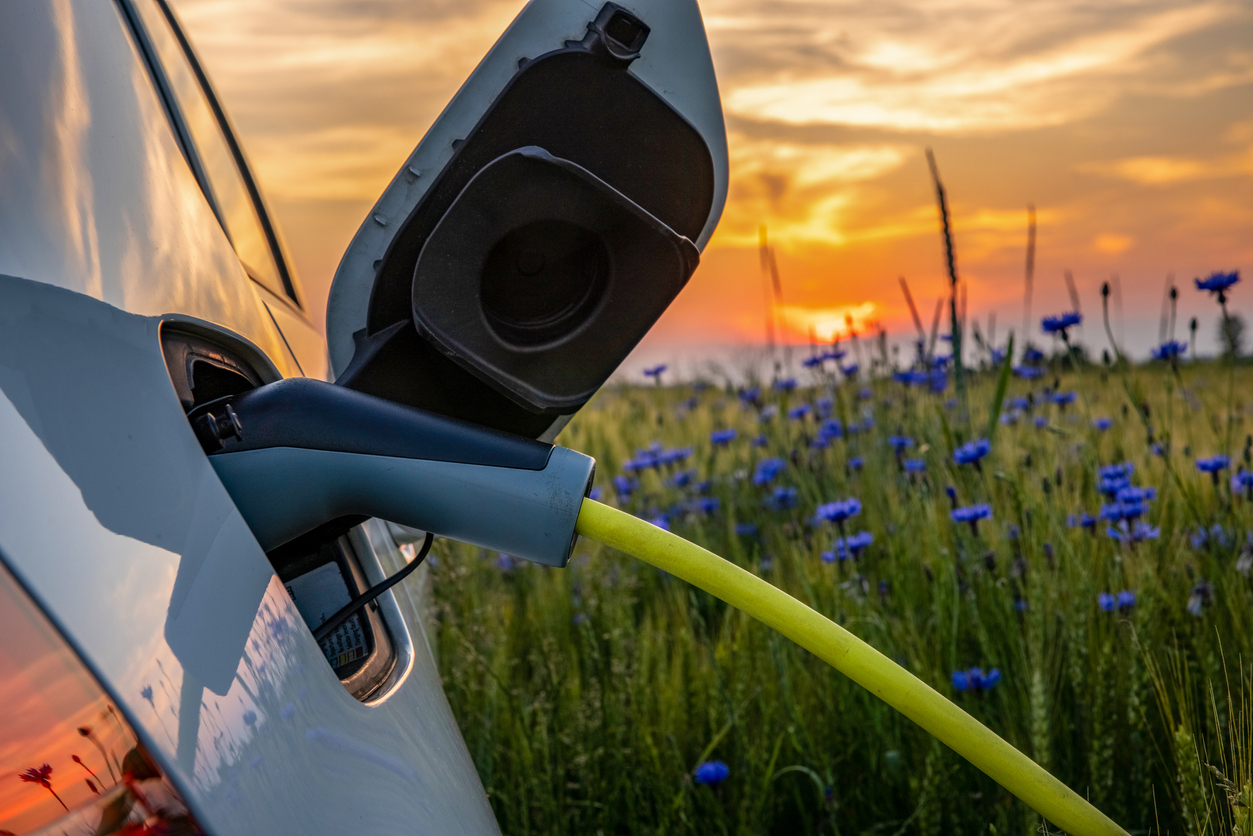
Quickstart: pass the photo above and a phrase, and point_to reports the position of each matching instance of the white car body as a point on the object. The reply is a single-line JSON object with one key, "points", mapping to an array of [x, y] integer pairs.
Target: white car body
{"points": [[111, 517]]}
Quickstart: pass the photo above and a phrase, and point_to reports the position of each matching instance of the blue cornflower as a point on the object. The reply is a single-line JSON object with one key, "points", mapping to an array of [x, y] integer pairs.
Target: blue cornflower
{"points": [[745, 529], [750, 395], [998, 356], [975, 679], [1218, 282], [683, 478], [1063, 398], [939, 381], [836, 354], [678, 454], [810, 362], [1028, 372], [720, 438], [940, 362], [706, 504], [846, 547], [623, 486], [661, 521], [856, 462], [865, 393], [1019, 403], [839, 510], [971, 514], [819, 442], [831, 428], [655, 371], [595, 494], [915, 465], [1040, 422], [1213, 464], [912, 378], [760, 440], [782, 499], [1110, 485], [1169, 350], [1216, 534], [1131, 494], [504, 562], [1032, 355], [1243, 481], [850, 370], [1126, 600], [1125, 533], [787, 384], [1010, 417], [711, 773], [972, 452], [798, 412], [1110, 471], [900, 442], [1102, 424], [1081, 520], [1106, 602], [823, 407], [767, 469], [1061, 323], [1116, 511]]}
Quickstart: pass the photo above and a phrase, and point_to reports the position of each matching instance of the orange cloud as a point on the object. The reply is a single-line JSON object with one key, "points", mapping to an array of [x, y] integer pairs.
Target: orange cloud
{"points": [[1108, 243], [1118, 121], [1159, 171]]}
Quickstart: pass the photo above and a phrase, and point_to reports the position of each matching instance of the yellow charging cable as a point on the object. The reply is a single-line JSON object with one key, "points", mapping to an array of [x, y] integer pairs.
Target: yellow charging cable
{"points": [[854, 658]]}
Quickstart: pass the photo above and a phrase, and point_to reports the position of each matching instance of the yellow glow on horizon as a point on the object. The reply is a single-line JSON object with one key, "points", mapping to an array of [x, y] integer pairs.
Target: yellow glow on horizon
{"points": [[827, 324]]}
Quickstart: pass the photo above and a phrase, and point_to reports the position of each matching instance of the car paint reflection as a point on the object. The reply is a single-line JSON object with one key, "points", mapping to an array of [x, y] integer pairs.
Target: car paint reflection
{"points": [[69, 762], [172, 602]]}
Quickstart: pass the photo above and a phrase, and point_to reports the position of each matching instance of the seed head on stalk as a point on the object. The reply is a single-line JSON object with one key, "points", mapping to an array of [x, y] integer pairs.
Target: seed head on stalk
{"points": [[950, 260]]}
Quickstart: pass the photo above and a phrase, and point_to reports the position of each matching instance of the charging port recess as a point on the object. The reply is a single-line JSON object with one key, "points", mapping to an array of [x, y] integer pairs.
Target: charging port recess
{"points": [[320, 570]]}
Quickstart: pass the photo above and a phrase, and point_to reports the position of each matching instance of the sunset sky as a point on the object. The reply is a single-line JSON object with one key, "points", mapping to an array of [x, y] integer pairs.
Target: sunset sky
{"points": [[1128, 124]]}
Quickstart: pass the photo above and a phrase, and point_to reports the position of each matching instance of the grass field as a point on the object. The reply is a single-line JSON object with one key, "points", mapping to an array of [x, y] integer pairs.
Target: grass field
{"points": [[589, 695]]}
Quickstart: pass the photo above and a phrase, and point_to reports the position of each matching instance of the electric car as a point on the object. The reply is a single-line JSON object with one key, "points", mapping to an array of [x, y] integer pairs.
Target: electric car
{"points": [[203, 501]]}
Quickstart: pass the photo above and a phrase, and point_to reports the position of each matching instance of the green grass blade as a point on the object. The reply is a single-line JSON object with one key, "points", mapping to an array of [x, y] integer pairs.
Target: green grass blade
{"points": [[1002, 383]]}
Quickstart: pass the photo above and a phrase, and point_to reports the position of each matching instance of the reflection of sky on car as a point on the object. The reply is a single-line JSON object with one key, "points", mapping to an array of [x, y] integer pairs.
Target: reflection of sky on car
{"points": [[1128, 126], [68, 760]]}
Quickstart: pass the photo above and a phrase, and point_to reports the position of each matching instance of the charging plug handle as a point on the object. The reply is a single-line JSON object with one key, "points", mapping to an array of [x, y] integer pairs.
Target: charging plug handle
{"points": [[308, 452]]}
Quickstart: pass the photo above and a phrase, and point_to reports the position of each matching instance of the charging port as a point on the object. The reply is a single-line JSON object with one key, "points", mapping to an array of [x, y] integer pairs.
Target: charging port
{"points": [[320, 570]]}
